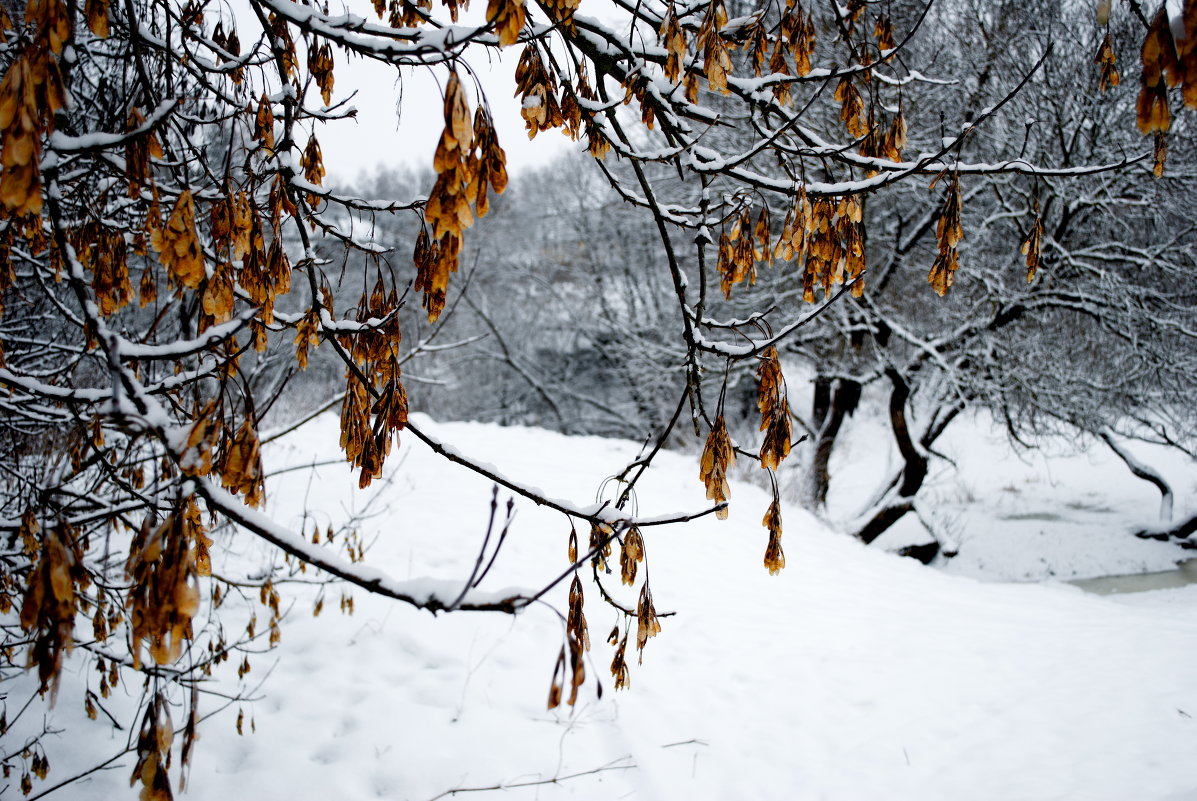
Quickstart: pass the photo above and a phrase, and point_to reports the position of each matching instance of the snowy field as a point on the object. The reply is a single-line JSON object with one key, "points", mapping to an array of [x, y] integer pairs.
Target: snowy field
{"points": [[853, 675]]}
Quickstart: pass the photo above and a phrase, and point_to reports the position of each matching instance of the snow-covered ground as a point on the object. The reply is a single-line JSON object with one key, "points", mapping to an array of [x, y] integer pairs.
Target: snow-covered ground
{"points": [[853, 675]]}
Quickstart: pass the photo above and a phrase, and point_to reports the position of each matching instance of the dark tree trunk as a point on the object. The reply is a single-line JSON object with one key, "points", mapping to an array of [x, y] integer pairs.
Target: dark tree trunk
{"points": [[834, 400], [1182, 530], [821, 403], [885, 517], [914, 472], [925, 553]]}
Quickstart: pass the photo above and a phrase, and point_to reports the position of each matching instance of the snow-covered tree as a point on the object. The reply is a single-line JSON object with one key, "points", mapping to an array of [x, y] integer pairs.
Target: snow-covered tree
{"points": [[1084, 328], [170, 257]]}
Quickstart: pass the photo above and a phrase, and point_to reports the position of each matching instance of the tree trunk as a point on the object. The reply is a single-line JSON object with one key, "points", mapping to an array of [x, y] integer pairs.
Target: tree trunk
{"points": [[914, 472], [1145, 472], [833, 401], [1180, 531], [885, 517]]}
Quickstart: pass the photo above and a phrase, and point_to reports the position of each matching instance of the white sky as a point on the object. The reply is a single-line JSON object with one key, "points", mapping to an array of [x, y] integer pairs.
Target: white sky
{"points": [[382, 137]]}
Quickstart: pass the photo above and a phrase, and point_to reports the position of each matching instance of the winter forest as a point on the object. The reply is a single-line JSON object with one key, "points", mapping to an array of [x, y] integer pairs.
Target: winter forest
{"points": [[669, 399]]}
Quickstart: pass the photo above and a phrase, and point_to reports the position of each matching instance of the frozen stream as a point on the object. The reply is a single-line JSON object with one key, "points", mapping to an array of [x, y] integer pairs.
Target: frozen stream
{"points": [[1184, 574]]}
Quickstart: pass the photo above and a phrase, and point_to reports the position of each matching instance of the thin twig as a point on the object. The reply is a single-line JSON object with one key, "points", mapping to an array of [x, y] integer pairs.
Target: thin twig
{"points": [[613, 765]]}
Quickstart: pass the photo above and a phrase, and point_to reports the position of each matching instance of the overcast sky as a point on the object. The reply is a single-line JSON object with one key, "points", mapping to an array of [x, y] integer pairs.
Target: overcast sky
{"points": [[386, 135]]}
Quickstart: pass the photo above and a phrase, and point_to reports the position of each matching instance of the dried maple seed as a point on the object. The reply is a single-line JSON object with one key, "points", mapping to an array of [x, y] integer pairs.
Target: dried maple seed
{"points": [[774, 407], [717, 458]]}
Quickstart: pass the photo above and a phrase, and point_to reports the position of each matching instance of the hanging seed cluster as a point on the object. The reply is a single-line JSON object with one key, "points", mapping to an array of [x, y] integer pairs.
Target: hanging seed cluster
{"points": [[52, 596], [101, 249], [537, 90], [31, 93], [774, 407], [1032, 244], [230, 48], [630, 556], [1106, 62], [717, 458], [241, 464], [164, 596], [948, 235], [569, 668], [320, 67], [571, 660], [775, 559], [619, 663], [888, 145], [154, 740], [367, 424], [1168, 61], [507, 16], [824, 235], [312, 164], [468, 162]]}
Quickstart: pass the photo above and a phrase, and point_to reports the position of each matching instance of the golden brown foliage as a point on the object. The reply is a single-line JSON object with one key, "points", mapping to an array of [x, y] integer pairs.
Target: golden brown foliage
{"points": [[231, 45], [600, 544], [537, 90], [673, 39], [241, 467], [775, 560], [575, 621], [102, 250], [619, 665], [52, 597], [487, 162], [153, 751], [312, 163], [775, 410], [195, 458], [1106, 61], [562, 12], [1159, 153], [320, 66], [1167, 62], [508, 18], [468, 162], [1031, 245], [138, 152], [826, 236], [798, 28], [307, 336], [631, 555], [851, 107], [717, 458], [716, 61], [647, 624], [178, 244], [883, 31], [948, 235], [96, 12], [737, 253], [197, 169], [164, 596], [570, 664], [30, 94]]}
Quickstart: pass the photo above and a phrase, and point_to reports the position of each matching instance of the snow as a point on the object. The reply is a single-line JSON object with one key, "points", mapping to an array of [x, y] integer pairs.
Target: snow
{"points": [[98, 140], [1019, 515], [854, 674]]}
